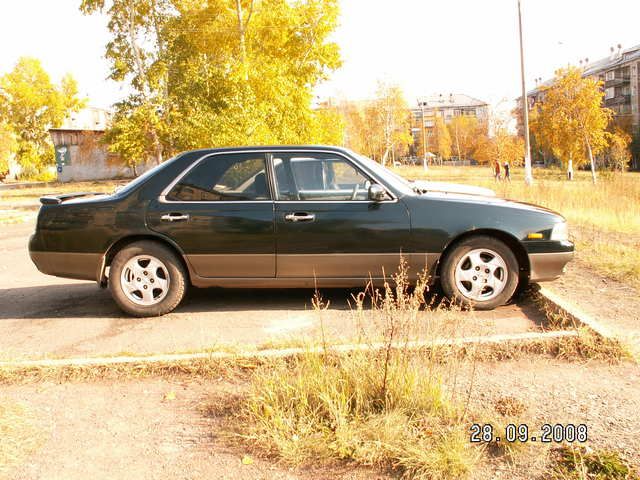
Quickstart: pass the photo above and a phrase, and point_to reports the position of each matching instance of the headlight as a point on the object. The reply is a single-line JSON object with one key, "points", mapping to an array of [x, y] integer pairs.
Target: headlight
{"points": [[560, 232]]}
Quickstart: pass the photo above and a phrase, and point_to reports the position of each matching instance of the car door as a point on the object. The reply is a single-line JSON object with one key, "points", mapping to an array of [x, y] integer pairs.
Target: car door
{"points": [[326, 226], [220, 212]]}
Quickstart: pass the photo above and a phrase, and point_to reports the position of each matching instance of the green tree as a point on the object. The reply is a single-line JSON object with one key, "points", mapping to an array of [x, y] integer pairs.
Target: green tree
{"points": [[30, 104], [571, 120]]}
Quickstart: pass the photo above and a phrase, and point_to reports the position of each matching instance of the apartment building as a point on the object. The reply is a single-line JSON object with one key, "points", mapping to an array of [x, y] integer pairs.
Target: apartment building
{"points": [[448, 106]]}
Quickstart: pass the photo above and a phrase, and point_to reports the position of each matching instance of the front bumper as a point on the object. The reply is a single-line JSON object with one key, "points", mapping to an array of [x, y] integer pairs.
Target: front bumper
{"points": [[548, 266]]}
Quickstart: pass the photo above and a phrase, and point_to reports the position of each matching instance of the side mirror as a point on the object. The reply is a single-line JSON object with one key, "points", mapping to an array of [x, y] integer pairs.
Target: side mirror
{"points": [[377, 193]]}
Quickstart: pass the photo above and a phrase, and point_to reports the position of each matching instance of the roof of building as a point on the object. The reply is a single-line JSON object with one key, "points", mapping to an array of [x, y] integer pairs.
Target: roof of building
{"points": [[88, 119], [616, 59], [450, 100]]}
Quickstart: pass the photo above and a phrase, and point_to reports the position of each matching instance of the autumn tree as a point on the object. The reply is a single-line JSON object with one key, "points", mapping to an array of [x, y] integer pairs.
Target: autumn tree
{"points": [[137, 52], [218, 72], [466, 131], [571, 121], [442, 139], [7, 146], [618, 155], [380, 127], [393, 117], [30, 104], [502, 147]]}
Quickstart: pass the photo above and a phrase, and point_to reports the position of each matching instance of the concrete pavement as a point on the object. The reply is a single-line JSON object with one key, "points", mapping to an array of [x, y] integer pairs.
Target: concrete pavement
{"points": [[43, 316]]}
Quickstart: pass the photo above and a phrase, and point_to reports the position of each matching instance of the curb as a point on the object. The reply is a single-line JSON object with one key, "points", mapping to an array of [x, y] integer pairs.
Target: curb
{"points": [[283, 353], [21, 185], [575, 313]]}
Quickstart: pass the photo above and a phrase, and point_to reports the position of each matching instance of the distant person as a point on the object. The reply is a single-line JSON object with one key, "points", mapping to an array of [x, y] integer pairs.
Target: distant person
{"points": [[496, 170], [507, 172]]}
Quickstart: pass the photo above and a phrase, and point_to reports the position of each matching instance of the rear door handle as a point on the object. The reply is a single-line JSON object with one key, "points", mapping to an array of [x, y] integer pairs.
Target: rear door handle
{"points": [[174, 217], [299, 217]]}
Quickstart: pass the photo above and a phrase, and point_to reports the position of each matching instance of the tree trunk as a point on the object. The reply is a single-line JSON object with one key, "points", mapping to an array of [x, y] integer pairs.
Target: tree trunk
{"points": [[593, 166], [146, 88], [383, 160], [242, 39], [570, 170]]}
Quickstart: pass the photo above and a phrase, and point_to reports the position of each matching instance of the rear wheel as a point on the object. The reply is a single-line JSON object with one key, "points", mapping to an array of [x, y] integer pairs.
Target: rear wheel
{"points": [[146, 279], [480, 271]]}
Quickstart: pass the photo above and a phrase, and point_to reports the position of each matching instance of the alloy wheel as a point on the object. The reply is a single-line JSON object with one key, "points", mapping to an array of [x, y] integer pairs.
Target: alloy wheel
{"points": [[481, 274], [145, 280]]}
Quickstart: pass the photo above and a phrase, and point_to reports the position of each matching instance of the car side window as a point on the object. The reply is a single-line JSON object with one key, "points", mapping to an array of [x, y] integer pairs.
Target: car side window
{"points": [[316, 176], [233, 177]]}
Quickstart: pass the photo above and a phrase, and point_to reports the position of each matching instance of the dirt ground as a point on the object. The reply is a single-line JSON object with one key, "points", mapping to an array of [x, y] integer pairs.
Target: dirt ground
{"points": [[613, 304], [136, 429], [44, 316]]}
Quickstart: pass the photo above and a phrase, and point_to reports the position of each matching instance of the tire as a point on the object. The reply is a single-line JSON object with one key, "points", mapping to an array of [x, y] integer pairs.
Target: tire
{"points": [[146, 279], [481, 272]]}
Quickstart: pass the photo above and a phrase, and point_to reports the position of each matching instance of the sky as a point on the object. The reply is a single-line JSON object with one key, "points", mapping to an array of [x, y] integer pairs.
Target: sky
{"points": [[425, 46]]}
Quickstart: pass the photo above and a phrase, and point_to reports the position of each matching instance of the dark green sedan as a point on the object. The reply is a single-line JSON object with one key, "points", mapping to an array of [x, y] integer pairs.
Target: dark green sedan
{"points": [[289, 217]]}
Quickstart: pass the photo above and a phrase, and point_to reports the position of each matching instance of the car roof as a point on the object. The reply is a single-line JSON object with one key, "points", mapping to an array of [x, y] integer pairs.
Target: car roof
{"points": [[269, 147]]}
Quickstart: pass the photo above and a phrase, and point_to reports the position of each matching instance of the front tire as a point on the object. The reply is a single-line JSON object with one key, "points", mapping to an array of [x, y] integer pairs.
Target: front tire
{"points": [[146, 279], [481, 272]]}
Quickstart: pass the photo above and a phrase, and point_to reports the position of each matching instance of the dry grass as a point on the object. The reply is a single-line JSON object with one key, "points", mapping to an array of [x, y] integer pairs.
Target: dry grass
{"points": [[393, 408], [18, 436], [607, 215], [580, 463]]}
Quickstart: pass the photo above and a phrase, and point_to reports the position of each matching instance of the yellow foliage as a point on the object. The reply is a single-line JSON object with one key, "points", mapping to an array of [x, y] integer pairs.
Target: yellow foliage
{"points": [[570, 117], [379, 128]]}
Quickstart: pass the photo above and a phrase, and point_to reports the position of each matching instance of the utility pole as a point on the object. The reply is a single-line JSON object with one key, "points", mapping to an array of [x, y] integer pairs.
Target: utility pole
{"points": [[424, 137], [528, 175]]}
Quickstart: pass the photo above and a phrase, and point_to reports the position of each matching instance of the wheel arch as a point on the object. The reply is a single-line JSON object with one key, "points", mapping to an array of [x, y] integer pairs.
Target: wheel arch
{"points": [[119, 244], [512, 242]]}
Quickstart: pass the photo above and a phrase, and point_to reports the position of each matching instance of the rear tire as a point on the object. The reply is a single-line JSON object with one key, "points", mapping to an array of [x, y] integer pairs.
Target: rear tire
{"points": [[481, 272], [146, 279]]}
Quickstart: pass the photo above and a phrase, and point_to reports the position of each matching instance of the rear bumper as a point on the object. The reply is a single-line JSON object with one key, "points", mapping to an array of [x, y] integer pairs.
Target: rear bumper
{"points": [[80, 266], [548, 266]]}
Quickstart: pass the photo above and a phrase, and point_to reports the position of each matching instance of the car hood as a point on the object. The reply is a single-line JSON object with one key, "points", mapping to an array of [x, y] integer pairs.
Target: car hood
{"points": [[446, 187], [489, 200]]}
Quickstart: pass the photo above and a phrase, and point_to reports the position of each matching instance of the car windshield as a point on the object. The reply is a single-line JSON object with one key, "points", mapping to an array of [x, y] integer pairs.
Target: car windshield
{"points": [[133, 184], [392, 178]]}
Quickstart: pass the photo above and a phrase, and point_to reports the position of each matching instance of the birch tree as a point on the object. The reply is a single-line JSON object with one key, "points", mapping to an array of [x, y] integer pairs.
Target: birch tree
{"points": [[571, 120]]}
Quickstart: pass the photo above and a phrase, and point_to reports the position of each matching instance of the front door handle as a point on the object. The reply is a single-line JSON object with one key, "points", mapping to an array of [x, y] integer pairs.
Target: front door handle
{"points": [[174, 217], [299, 217]]}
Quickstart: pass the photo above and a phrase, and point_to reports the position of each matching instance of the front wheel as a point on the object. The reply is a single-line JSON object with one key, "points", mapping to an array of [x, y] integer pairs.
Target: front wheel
{"points": [[480, 271], [146, 279]]}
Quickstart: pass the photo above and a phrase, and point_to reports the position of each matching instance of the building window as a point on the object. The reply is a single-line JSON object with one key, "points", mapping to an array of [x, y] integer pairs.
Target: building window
{"points": [[626, 90], [610, 75], [609, 92]]}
